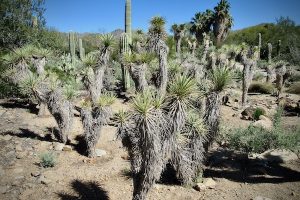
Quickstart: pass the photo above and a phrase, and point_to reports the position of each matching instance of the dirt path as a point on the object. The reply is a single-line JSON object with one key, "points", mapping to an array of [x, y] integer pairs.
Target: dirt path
{"points": [[23, 137]]}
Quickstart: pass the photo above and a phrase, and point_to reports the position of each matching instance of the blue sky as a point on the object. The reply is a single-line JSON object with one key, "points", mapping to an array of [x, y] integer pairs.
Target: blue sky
{"points": [[108, 15]]}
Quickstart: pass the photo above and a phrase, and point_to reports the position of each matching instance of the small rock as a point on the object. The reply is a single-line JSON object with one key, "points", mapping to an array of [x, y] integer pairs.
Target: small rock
{"points": [[264, 122], [58, 146], [200, 187], [35, 174], [18, 148], [209, 183], [100, 152], [20, 155], [7, 137], [3, 189], [261, 198], [44, 180], [18, 170], [67, 148], [2, 172]]}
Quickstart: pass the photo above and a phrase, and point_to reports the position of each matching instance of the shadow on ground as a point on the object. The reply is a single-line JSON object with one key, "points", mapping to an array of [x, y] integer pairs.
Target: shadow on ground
{"points": [[85, 191], [13, 103], [237, 167], [26, 133]]}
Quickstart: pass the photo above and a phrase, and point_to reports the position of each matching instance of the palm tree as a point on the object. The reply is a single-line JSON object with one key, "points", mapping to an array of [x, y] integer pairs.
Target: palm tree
{"points": [[178, 31], [222, 21], [201, 23]]}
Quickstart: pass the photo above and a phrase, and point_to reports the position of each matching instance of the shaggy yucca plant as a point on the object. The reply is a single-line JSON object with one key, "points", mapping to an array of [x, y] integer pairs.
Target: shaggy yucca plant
{"points": [[93, 119], [220, 78]]}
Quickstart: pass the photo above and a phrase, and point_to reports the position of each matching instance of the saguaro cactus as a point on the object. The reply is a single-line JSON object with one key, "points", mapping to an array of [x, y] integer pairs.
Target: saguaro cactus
{"points": [[259, 44], [124, 48], [72, 46], [278, 47], [128, 20], [81, 49]]}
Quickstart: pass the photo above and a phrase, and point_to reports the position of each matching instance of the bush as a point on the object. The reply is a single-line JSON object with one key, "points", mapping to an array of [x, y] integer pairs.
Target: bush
{"points": [[259, 87], [257, 139], [295, 88], [47, 159], [258, 76], [258, 112]]}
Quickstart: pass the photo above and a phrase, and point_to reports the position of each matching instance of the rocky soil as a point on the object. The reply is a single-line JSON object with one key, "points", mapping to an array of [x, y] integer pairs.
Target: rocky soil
{"points": [[228, 175]]}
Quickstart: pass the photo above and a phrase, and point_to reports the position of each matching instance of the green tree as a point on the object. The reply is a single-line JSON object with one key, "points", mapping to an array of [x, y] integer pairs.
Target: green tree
{"points": [[16, 25]]}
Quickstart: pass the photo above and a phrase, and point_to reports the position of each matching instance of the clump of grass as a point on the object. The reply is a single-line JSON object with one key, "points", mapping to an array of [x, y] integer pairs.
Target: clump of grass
{"points": [[295, 88], [259, 87], [47, 159], [258, 112]]}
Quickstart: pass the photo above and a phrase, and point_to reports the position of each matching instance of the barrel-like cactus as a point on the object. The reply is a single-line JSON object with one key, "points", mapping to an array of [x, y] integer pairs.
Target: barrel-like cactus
{"points": [[81, 49], [72, 46]]}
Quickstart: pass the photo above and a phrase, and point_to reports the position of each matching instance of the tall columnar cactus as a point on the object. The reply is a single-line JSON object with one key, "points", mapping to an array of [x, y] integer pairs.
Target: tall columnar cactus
{"points": [[128, 20], [124, 48], [269, 53], [259, 44], [72, 46], [278, 47], [81, 49]]}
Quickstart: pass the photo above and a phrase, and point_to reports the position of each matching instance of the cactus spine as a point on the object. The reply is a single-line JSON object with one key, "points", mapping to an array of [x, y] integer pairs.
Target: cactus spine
{"points": [[72, 46], [81, 49]]}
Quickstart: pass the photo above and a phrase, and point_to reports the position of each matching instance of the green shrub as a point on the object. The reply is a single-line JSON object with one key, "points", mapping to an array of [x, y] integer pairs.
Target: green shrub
{"points": [[257, 139], [295, 88], [47, 159], [295, 76], [258, 76], [258, 112], [259, 87]]}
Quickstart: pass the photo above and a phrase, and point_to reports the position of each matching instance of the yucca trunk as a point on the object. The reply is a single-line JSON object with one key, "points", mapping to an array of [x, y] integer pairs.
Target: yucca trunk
{"points": [[62, 111], [248, 71], [212, 117], [163, 68], [152, 161], [138, 74], [39, 64]]}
